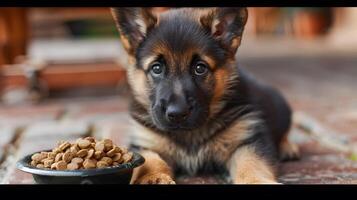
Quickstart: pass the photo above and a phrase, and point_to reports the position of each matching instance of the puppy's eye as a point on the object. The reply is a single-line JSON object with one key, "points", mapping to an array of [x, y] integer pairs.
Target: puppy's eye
{"points": [[200, 69], [157, 68]]}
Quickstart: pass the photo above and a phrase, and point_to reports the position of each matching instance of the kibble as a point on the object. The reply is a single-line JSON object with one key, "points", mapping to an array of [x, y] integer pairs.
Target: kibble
{"points": [[67, 157], [99, 146], [77, 160], [61, 165], [102, 164], [99, 154], [89, 164], [83, 144], [64, 146], [108, 144], [82, 153], [91, 139], [72, 166], [108, 160], [112, 152], [58, 157], [85, 153], [90, 153]]}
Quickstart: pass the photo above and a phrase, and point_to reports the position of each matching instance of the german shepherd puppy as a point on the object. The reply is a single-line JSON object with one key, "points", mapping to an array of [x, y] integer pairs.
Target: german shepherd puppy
{"points": [[194, 109]]}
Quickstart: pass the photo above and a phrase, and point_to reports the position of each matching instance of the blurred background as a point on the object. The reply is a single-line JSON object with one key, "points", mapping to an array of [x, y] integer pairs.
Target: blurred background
{"points": [[60, 49], [66, 48], [67, 64]]}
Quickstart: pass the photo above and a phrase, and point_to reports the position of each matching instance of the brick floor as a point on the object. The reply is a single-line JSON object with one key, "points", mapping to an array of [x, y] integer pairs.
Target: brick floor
{"points": [[313, 86]]}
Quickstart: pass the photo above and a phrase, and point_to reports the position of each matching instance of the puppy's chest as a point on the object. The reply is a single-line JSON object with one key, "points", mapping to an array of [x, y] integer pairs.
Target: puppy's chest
{"points": [[192, 156]]}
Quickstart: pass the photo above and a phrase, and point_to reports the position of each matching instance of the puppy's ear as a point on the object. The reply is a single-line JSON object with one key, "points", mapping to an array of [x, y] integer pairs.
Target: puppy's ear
{"points": [[226, 26], [133, 25]]}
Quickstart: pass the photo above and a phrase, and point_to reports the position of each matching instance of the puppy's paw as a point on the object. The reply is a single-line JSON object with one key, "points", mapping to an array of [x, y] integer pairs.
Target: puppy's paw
{"points": [[289, 151], [157, 178]]}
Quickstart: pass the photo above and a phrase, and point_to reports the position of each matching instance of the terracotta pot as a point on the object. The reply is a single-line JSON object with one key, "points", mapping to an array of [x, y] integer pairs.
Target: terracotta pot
{"points": [[309, 25]]}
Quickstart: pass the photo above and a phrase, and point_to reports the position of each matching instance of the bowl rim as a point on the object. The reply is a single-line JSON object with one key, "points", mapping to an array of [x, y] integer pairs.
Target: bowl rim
{"points": [[24, 165]]}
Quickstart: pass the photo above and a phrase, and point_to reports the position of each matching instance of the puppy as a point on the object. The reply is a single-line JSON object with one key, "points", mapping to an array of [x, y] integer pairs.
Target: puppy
{"points": [[194, 109]]}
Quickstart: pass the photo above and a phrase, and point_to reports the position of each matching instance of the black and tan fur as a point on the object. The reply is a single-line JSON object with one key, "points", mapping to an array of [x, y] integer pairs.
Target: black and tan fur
{"points": [[234, 124]]}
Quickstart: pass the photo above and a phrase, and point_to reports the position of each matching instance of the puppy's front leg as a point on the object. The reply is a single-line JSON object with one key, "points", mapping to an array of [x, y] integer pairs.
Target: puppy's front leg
{"points": [[154, 171], [247, 167]]}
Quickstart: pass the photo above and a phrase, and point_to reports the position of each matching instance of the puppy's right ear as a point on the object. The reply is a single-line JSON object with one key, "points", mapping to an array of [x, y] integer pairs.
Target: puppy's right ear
{"points": [[133, 25]]}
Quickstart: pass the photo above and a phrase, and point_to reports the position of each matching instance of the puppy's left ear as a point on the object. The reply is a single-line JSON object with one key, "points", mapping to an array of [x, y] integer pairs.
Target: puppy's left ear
{"points": [[133, 25], [226, 26]]}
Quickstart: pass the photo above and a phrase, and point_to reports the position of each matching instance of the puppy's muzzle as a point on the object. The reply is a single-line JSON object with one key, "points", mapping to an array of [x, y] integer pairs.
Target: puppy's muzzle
{"points": [[178, 110]]}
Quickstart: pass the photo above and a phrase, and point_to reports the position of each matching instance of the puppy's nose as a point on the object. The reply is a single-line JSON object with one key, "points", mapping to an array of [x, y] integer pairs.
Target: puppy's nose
{"points": [[177, 113]]}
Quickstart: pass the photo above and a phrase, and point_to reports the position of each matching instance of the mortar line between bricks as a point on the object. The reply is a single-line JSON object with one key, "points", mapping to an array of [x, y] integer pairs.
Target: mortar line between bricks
{"points": [[10, 151], [13, 143], [312, 128]]}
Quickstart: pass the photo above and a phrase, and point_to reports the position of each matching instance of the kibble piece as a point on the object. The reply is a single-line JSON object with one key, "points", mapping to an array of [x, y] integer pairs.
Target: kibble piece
{"points": [[89, 164], [40, 166], [33, 163], [83, 144], [99, 146], [64, 146], [67, 157], [117, 157], [58, 157], [38, 156], [115, 163], [127, 157], [99, 154], [56, 150], [91, 139], [61, 165], [72, 166], [117, 149], [74, 148], [90, 153], [123, 150], [107, 160], [52, 155], [82, 153], [77, 160], [44, 154], [48, 162], [112, 152], [108, 144], [53, 166], [102, 164]]}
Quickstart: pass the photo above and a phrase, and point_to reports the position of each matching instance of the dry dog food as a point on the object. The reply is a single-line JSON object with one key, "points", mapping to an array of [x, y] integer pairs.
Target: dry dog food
{"points": [[85, 153]]}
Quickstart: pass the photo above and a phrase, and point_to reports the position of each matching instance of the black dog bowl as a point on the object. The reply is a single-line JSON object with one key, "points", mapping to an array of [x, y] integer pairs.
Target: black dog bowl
{"points": [[120, 174]]}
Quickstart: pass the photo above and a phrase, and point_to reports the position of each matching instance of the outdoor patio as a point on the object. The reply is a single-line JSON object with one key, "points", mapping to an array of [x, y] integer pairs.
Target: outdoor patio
{"points": [[321, 90]]}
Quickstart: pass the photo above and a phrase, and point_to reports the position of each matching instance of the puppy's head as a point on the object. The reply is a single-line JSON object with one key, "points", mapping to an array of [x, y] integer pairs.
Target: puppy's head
{"points": [[183, 61]]}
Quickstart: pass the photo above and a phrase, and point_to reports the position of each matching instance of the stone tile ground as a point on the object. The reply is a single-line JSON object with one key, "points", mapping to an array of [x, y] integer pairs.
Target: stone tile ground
{"points": [[320, 90]]}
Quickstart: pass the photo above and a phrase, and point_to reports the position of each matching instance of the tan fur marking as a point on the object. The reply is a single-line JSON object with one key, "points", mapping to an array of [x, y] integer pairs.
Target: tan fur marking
{"points": [[236, 42], [246, 166], [210, 61], [288, 150], [220, 76], [147, 61], [137, 81], [219, 148], [126, 44]]}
